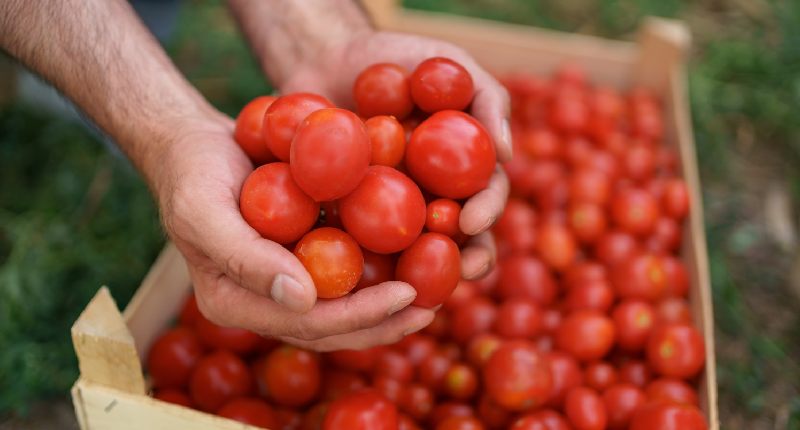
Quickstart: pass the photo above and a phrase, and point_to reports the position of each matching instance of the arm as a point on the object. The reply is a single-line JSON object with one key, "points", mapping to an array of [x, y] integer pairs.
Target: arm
{"points": [[99, 55]]}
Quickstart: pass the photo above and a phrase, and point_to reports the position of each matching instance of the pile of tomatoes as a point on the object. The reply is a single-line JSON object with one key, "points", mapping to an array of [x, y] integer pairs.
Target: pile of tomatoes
{"points": [[375, 197], [583, 324]]}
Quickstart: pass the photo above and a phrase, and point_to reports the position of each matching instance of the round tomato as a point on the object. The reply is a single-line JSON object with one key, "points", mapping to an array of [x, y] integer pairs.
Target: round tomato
{"points": [[633, 322], [545, 419], [416, 347], [433, 368], [439, 84], [333, 259], [445, 410], [539, 142], [474, 317], [615, 246], [517, 376], [460, 382], [289, 376], [432, 265], [675, 200], [416, 400], [569, 112], [173, 356], [676, 350], [677, 278], [641, 277], [273, 204], [378, 268], [577, 151], [599, 375], [312, 419], [518, 317], [481, 347], [526, 276], [387, 139], [634, 372], [451, 155], [330, 154], [585, 409], [671, 390], [587, 221], [237, 340], [635, 211], [394, 365], [583, 272], [218, 378], [491, 414], [588, 185], [386, 212], [383, 89], [639, 161], [666, 416], [597, 295], [362, 410], [516, 229], [363, 360], [284, 115], [556, 246], [388, 387], [621, 402], [337, 383], [587, 335], [174, 396], [442, 217], [404, 422], [251, 411], [461, 423], [566, 374], [666, 236], [673, 310], [248, 132], [440, 326], [464, 291]]}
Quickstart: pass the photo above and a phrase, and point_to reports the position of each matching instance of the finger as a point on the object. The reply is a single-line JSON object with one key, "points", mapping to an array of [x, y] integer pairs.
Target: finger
{"points": [[390, 331], [483, 209], [478, 257], [491, 107]]}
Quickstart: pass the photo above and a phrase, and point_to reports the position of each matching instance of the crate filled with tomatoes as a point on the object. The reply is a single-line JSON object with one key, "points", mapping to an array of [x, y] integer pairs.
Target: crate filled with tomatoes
{"points": [[596, 316]]}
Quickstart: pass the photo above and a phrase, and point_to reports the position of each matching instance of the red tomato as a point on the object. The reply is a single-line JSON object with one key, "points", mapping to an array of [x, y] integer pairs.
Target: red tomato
{"points": [[671, 390], [577, 151], [432, 370], [378, 268], [526, 276], [218, 378], [404, 422], [383, 89], [386, 212], [461, 423], [440, 84], [633, 322], [289, 419], [587, 335], [615, 246], [451, 155], [675, 200], [248, 132], [417, 347], [556, 246], [551, 320], [173, 356], [676, 350], [237, 340], [273, 204], [360, 361], [394, 365], [593, 295], [641, 277], [460, 382], [566, 374], [673, 310], [605, 162], [337, 383], [474, 317], [666, 236], [589, 185], [539, 142], [552, 198], [481, 347], [569, 112], [639, 161], [445, 410], [587, 221], [517, 376], [544, 419], [190, 313], [464, 291], [492, 414], [606, 102], [518, 317], [584, 271], [440, 326], [416, 400], [283, 117], [388, 387], [173, 395], [362, 410], [251, 411], [333, 259], [442, 217], [635, 211], [290, 376], [585, 409], [665, 416], [432, 265], [387, 140], [330, 154], [516, 227], [621, 402], [599, 375], [647, 122], [677, 279], [312, 420], [634, 372]]}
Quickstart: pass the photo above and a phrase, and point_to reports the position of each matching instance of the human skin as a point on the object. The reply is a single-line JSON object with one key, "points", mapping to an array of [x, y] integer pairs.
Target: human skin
{"points": [[99, 54]]}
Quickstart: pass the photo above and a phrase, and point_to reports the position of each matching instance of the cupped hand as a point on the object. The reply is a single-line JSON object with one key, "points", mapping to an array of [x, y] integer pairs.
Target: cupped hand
{"points": [[243, 280], [333, 73]]}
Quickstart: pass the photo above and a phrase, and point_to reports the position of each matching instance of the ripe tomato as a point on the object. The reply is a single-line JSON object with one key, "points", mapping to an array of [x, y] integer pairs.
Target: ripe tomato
{"points": [[492, 414], [677, 279], [585, 409], [676, 350], [526, 276], [337, 383], [539, 142], [589, 185], [432, 265], [587, 221], [387, 140], [251, 411], [569, 112], [440, 326], [606, 102], [416, 347], [330, 154], [675, 200], [460, 382], [584, 271], [544, 419], [641, 277], [518, 317], [362, 410], [416, 400], [551, 320], [378, 268], [445, 410], [273, 204], [666, 236], [288, 418], [464, 291], [587, 335], [190, 313], [673, 310], [284, 115], [312, 420], [218, 378], [173, 356], [599, 375], [363, 360], [433, 368], [556, 246], [635, 211], [634, 372], [394, 365], [386, 212], [451, 155], [404, 422], [515, 230], [646, 122], [566, 374], [481, 347], [440, 84], [621, 402], [383, 89], [442, 217], [517, 376], [639, 161], [577, 151], [173, 395], [593, 295], [633, 322], [666, 416], [333, 259], [461, 423], [474, 317], [289, 376], [615, 246], [671, 390], [248, 132], [237, 340], [388, 387]]}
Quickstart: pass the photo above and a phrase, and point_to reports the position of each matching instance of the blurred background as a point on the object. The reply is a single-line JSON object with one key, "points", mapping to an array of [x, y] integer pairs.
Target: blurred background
{"points": [[74, 215]]}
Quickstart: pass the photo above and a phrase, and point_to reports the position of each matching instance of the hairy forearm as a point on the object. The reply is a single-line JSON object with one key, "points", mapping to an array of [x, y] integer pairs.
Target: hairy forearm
{"points": [[99, 54], [286, 33]]}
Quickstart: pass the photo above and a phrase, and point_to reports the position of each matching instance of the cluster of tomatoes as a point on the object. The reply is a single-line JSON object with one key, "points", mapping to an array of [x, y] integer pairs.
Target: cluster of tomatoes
{"points": [[583, 324], [366, 201]]}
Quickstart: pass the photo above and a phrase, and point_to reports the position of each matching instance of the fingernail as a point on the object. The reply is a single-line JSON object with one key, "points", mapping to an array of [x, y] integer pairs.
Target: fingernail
{"points": [[402, 303], [416, 328], [506, 136], [483, 227], [288, 292]]}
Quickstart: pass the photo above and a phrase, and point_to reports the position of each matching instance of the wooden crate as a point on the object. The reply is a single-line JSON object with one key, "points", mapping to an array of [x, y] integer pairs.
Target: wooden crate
{"points": [[111, 392]]}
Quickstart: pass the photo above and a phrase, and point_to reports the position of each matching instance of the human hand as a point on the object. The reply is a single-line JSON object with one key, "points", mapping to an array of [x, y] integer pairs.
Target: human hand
{"points": [[243, 280]]}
